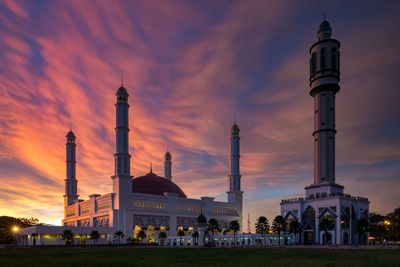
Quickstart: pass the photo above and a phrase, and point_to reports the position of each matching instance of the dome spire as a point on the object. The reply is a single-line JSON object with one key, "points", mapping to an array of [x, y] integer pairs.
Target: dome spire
{"points": [[324, 30]]}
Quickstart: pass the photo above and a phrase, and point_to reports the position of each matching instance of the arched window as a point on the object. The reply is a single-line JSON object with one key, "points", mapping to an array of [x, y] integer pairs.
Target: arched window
{"points": [[313, 63], [323, 58], [333, 58]]}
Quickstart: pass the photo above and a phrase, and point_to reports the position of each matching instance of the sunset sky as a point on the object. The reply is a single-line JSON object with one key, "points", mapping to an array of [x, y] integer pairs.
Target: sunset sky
{"points": [[190, 67]]}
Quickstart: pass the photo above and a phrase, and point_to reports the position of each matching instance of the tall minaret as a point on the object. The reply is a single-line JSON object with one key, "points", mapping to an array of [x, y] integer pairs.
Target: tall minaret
{"points": [[324, 84], [235, 195], [168, 166], [122, 180], [234, 177], [71, 184]]}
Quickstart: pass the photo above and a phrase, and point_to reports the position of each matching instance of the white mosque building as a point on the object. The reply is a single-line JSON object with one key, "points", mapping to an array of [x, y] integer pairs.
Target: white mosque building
{"points": [[325, 198], [150, 202], [155, 204]]}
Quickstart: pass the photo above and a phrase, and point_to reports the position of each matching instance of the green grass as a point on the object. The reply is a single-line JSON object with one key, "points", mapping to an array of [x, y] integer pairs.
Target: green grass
{"points": [[253, 257]]}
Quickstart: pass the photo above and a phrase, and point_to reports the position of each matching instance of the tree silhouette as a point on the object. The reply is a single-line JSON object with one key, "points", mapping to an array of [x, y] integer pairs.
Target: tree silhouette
{"points": [[235, 227], [181, 233], [295, 227], [119, 234], [262, 225], [141, 235], [195, 236], [213, 226], [68, 236], [362, 228], [94, 235], [279, 226], [162, 235], [326, 224]]}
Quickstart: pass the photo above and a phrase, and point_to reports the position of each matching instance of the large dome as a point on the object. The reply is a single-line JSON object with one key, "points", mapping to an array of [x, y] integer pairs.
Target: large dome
{"points": [[155, 185]]}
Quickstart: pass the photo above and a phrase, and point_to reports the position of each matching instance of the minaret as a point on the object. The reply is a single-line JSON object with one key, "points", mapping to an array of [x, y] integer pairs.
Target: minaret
{"points": [[71, 184], [324, 84], [234, 194], [234, 177], [122, 180], [168, 166]]}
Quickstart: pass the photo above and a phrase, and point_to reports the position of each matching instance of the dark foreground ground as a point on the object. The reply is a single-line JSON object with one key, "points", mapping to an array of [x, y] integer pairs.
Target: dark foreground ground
{"points": [[133, 256]]}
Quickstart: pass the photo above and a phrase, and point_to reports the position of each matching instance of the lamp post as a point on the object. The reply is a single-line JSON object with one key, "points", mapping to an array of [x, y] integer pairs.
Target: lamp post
{"points": [[15, 230], [387, 223]]}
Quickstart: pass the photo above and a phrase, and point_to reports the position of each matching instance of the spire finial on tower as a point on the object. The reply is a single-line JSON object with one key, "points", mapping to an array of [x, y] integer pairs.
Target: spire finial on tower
{"points": [[151, 167], [70, 126], [122, 80], [324, 15]]}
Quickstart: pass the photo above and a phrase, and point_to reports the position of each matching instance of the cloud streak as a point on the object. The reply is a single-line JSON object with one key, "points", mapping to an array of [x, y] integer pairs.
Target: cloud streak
{"points": [[189, 68]]}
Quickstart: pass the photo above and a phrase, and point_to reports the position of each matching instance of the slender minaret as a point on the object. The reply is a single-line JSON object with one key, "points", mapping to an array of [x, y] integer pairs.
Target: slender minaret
{"points": [[324, 84], [71, 184], [235, 195], [234, 177], [168, 166], [122, 180]]}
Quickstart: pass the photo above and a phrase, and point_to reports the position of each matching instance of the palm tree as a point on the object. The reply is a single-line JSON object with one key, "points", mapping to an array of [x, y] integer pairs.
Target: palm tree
{"points": [[295, 227], [94, 235], [34, 236], [162, 235], [180, 234], [262, 225], [141, 235], [362, 228], [213, 226], [279, 226], [326, 224], [235, 227], [68, 236], [195, 236], [119, 234]]}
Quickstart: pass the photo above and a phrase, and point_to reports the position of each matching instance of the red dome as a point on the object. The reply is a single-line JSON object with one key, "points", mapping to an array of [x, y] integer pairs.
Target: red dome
{"points": [[155, 185]]}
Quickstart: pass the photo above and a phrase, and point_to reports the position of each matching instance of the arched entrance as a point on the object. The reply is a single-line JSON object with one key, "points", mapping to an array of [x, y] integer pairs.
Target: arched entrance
{"points": [[308, 237], [308, 217]]}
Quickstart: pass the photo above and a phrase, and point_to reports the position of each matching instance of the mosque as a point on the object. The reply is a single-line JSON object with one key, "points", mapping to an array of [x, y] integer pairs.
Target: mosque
{"points": [[325, 198], [156, 204], [150, 202]]}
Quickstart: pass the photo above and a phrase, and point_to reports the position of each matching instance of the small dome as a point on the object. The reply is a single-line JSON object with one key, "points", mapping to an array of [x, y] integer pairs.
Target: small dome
{"points": [[235, 129], [155, 185], [325, 30], [70, 135], [201, 219], [122, 94]]}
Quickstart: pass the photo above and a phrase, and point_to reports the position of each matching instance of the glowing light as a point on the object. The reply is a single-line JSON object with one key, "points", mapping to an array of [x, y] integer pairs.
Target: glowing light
{"points": [[15, 229], [386, 222]]}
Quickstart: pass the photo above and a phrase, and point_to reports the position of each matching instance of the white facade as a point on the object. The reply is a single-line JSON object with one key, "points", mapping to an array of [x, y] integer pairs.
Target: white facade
{"points": [[325, 198], [150, 202]]}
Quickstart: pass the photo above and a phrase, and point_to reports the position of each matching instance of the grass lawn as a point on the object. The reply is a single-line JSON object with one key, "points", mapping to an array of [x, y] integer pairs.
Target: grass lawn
{"points": [[134, 256]]}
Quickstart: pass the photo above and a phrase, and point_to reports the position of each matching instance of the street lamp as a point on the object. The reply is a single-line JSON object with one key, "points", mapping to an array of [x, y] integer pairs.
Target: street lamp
{"points": [[15, 230], [387, 223]]}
